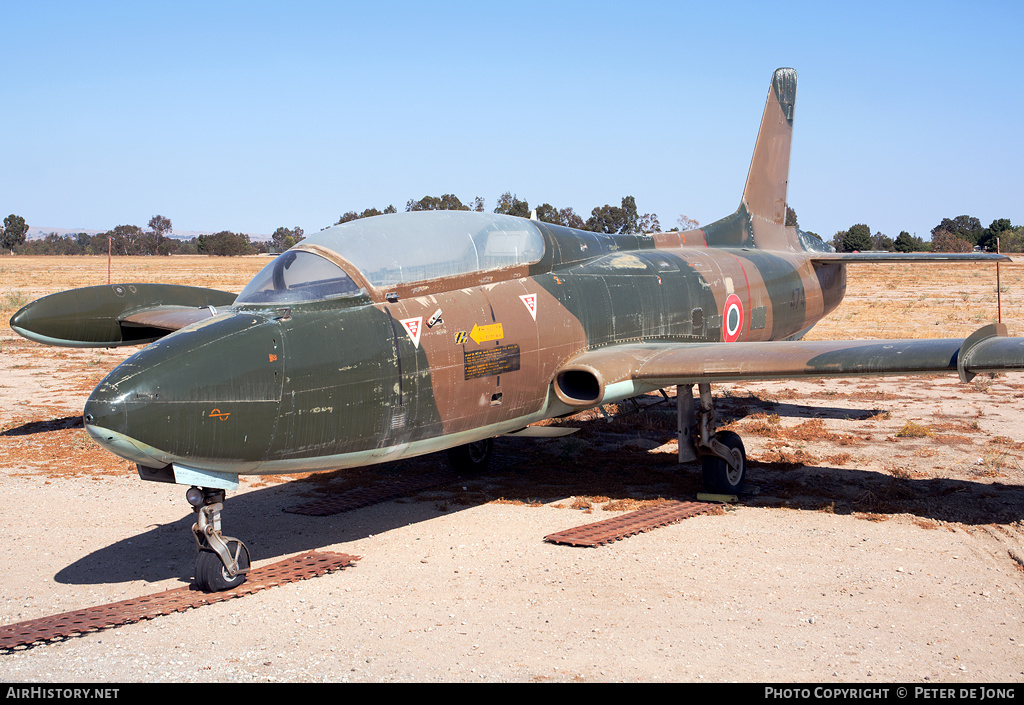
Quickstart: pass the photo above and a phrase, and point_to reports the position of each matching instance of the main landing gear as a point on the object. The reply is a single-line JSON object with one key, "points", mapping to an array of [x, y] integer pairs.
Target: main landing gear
{"points": [[721, 453], [222, 561]]}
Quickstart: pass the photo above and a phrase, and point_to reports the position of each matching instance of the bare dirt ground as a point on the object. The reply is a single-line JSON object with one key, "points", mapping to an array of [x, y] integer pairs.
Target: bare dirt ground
{"points": [[886, 544]]}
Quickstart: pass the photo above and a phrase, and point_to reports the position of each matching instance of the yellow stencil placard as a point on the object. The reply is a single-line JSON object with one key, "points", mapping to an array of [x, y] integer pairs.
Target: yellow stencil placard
{"points": [[482, 334]]}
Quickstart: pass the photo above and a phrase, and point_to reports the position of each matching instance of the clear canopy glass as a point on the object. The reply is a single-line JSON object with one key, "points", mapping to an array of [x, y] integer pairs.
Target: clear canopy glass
{"points": [[297, 276], [399, 248], [408, 247]]}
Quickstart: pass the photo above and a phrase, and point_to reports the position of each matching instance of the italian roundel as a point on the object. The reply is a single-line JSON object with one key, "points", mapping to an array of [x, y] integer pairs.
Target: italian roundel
{"points": [[733, 318]]}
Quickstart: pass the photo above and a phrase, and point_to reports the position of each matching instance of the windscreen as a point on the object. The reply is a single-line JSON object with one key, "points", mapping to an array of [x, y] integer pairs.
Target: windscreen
{"points": [[297, 276]]}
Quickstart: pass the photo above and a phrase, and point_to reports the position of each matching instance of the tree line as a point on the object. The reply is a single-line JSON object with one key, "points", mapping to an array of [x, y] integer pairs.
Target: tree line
{"points": [[133, 240], [964, 233], [621, 219], [157, 240], [960, 234]]}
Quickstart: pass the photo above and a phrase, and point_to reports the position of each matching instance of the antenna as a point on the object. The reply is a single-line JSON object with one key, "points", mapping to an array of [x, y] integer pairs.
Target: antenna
{"points": [[999, 289]]}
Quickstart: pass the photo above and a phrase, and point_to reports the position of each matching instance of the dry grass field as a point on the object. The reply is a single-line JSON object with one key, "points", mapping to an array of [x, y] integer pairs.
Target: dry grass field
{"points": [[925, 301], [886, 541], [28, 278]]}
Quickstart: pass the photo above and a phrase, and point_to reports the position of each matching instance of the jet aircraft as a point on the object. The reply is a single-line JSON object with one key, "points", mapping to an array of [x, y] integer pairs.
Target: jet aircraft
{"points": [[412, 333]]}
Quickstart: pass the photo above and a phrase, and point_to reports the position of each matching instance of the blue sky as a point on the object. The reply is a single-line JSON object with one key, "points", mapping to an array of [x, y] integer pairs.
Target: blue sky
{"points": [[247, 116]]}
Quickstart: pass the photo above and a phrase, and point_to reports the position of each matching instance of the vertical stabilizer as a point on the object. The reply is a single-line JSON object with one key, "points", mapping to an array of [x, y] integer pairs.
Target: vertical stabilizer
{"points": [[760, 220], [765, 192]]}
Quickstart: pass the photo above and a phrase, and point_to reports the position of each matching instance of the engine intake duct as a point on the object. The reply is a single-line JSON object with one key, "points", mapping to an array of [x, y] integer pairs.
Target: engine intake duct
{"points": [[579, 386]]}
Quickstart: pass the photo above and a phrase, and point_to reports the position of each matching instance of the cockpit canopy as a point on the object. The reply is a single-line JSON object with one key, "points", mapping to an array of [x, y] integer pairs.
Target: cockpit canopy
{"points": [[408, 247], [297, 276], [399, 248]]}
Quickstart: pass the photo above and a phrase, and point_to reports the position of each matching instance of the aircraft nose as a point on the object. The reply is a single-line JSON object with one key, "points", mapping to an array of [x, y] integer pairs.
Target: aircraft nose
{"points": [[105, 421], [207, 396]]}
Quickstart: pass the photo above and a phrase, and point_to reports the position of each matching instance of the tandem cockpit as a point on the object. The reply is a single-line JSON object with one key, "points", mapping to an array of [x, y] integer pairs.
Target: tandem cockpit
{"points": [[398, 254]]}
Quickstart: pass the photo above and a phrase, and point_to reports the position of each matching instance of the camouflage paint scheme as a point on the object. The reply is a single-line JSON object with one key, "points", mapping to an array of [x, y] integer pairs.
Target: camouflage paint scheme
{"points": [[425, 365]]}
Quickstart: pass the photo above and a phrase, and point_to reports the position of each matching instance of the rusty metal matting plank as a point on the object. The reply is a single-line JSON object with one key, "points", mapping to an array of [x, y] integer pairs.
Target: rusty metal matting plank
{"points": [[301, 567], [365, 496], [620, 527]]}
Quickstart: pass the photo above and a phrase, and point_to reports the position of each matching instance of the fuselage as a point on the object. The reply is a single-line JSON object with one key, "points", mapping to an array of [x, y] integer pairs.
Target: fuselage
{"points": [[369, 373]]}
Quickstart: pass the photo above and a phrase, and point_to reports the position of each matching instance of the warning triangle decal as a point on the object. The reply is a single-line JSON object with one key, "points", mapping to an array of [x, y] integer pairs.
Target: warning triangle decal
{"points": [[413, 326], [530, 300]]}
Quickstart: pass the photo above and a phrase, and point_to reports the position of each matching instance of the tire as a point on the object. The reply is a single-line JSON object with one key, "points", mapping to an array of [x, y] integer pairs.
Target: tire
{"points": [[472, 458], [719, 476], [212, 576]]}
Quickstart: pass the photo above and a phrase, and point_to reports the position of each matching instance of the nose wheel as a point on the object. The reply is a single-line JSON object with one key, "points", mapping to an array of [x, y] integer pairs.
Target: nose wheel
{"points": [[222, 561], [472, 458]]}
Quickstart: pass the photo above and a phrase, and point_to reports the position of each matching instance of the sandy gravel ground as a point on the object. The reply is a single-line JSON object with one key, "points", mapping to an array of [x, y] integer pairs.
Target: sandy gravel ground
{"points": [[886, 544], [835, 573]]}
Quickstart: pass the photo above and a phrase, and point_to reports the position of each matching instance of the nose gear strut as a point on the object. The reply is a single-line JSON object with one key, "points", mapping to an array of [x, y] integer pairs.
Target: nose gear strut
{"points": [[222, 561]]}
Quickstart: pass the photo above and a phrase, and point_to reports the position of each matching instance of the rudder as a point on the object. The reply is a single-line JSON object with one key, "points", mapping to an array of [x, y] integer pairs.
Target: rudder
{"points": [[768, 178], [760, 221]]}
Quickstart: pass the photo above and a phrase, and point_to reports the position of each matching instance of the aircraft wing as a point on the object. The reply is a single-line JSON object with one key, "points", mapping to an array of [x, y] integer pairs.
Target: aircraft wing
{"points": [[584, 380], [114, 315]]}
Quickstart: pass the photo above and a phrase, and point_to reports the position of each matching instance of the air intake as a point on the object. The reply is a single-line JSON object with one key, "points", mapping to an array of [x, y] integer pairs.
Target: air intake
{"points": [[579, 387]]}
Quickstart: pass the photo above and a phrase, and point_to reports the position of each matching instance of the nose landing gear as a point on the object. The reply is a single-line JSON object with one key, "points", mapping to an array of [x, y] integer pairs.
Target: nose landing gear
{"points": [[222, 561]]}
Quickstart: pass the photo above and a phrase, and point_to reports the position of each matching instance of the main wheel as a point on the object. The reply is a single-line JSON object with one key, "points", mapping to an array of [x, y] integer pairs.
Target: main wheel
{"points": [[719, 476], [212, 576], [471, 458]]}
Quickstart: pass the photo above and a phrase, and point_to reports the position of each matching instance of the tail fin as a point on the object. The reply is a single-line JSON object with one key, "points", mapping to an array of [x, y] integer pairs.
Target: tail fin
{"points": [[760, 220], [768, 178]]}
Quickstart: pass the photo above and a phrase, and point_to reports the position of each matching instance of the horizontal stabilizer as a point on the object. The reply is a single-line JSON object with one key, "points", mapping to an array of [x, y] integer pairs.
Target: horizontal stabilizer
{"points": [[896, 257], [117, 314]]}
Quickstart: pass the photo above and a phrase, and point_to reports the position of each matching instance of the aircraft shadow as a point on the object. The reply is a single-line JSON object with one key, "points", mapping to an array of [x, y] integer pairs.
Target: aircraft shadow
{"points": [[743, 407], [618, 469], [740, 406], [47, 426], [168, 550]]}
